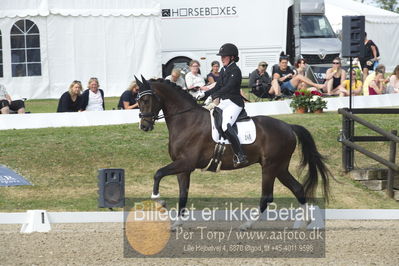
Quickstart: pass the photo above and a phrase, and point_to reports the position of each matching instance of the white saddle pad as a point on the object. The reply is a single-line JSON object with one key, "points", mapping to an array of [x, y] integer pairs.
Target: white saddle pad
{"points": [[246, 131]]}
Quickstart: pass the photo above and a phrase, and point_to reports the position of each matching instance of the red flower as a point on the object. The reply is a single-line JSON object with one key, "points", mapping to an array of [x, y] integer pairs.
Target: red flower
{"points": [[297, 93], [302, 93]]}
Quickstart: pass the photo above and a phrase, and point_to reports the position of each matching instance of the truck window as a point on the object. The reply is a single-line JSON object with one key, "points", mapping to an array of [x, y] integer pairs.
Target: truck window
{"points": [[315, 26]]}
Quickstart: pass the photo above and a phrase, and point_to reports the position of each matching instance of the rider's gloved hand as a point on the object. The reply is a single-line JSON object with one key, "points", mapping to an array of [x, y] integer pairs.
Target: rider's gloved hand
{"points": [[200, 95]]}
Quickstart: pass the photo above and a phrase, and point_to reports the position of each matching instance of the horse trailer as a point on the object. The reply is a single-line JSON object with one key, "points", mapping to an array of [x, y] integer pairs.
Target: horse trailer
{"points": [[260, 28]]}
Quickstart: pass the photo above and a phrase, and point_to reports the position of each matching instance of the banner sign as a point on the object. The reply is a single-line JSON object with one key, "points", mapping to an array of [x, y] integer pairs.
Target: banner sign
{"points": [[9, 178]]}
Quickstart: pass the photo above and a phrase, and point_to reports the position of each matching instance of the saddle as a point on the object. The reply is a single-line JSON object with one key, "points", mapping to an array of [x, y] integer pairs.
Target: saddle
{"points": [[244, 127]]}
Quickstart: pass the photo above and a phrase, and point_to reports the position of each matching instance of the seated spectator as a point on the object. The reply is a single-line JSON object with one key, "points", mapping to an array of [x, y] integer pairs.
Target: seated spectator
{"points": [[176, 78], [285, 80], [356, 84], [371, 55], [335, 78], [371, 77], [213, 76], [377, 85], [195, 81], [70, 100], [128, 98], [393, 85], [300, 67], [260, 82], [7, 104], [93, 97]]}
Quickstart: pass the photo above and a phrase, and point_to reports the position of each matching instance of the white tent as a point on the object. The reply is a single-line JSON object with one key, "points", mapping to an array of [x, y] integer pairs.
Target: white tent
{"points": [[79, 39], [381, 26]]}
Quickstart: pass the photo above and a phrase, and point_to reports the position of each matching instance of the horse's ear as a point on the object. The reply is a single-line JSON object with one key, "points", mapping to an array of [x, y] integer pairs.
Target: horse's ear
{"points": [[145, 83], [138, 82]]}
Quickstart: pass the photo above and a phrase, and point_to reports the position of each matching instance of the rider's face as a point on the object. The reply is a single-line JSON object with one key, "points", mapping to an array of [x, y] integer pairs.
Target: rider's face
{"points": [[226, 60]]}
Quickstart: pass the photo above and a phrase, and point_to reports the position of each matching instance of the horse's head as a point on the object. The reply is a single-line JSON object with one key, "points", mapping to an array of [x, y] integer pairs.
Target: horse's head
{"points": [[149, 104]]}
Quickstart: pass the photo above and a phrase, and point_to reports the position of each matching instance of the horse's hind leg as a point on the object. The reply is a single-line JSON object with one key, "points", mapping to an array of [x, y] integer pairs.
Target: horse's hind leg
{"points": [[292, 184], [184, 185], [268, 178]]}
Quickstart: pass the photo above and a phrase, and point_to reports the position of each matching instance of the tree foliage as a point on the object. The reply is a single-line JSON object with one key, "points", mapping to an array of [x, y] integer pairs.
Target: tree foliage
{"points": [[390, 5]]}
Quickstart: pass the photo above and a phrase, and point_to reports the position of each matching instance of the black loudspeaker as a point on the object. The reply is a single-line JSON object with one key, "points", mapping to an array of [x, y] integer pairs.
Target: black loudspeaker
{"points": [[111, 188], [353, 36]]}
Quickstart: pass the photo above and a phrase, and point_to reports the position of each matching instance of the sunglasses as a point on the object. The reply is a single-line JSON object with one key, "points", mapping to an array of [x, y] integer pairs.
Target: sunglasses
{"points": [[263, 65], [336, 63]]}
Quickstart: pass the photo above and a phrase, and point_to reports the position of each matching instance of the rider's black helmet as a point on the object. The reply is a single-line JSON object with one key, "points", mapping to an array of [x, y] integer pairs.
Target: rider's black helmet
{"points": [[228, 49]]}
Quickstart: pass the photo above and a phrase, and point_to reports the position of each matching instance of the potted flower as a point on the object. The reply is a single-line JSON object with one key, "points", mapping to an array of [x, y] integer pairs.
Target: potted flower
{"points": [[301, 101], [317, 104]]}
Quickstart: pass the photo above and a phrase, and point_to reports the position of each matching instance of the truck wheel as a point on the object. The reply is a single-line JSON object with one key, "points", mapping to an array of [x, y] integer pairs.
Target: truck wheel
{"points": [[178, 62]]}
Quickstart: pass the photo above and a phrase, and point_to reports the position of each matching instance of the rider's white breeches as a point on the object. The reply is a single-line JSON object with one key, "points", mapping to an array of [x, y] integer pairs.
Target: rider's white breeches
{"points": [[230, 112]]}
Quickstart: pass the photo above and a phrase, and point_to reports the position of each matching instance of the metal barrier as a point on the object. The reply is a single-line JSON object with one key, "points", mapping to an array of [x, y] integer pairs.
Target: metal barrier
{"points": [[347, 138]]}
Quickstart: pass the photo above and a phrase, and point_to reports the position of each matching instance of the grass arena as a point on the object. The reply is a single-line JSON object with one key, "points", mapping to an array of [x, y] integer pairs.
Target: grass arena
{"points": [[62, 164]]}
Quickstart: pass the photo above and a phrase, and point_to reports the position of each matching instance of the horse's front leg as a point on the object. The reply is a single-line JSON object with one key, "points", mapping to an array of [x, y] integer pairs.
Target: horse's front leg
{"points": [[174, 168], [184, 185]]}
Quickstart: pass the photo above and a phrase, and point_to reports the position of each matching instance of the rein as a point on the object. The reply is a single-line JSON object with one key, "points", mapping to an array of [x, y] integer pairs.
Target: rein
{"points": [[157, 117]]}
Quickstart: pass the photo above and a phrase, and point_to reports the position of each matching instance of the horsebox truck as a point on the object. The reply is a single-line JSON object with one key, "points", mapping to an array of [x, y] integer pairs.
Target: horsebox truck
{"points": [[261, 29]]}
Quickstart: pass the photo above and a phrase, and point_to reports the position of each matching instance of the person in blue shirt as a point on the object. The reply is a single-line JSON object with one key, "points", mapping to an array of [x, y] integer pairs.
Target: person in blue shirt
{"points": [[128, 99]]}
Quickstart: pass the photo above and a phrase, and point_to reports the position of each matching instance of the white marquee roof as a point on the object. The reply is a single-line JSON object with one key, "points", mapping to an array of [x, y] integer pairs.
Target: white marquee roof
{"points": [[24, 8]]}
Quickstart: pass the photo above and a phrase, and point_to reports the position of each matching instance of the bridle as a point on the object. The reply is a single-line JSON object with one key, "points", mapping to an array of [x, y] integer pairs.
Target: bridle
{"points": [[154, 117]]}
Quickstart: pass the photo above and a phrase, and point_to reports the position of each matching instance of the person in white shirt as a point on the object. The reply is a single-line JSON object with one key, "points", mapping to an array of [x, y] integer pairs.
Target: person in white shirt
{"points": [[194, 81], [176, 78], [393, 85], [93, 97], [7, 104]]}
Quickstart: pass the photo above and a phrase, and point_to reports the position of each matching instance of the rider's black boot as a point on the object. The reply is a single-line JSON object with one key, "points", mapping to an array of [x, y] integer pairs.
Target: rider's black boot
{"points": [[240, 158]]}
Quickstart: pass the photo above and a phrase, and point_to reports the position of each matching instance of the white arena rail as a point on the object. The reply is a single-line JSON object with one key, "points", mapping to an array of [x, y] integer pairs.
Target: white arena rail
{"points": [[115, 117], [117, 216]]}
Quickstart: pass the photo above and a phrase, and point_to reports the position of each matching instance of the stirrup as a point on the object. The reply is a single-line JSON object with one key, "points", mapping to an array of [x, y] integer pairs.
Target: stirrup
{"points": [[237, 161]]}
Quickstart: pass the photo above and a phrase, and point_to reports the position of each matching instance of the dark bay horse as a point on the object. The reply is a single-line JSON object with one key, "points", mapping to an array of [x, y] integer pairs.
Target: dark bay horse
{"points": [[191, 146]]}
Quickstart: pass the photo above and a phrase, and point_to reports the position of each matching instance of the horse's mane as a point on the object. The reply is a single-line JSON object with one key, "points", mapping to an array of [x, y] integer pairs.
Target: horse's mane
{"points": [[171, 85]]}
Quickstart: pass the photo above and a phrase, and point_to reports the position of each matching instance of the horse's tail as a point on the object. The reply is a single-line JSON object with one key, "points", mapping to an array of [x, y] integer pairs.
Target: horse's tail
{"points": [[315, 161]]}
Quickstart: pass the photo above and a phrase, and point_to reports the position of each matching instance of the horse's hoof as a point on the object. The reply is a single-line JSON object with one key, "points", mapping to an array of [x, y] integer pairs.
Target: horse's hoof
{"points": [[245, 226], [301, 224], [176, 225], [162, 203], [155, 196]]}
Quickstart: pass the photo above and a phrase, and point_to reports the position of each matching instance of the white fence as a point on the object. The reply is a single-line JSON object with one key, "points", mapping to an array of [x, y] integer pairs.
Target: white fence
{"points": [[45, 120]]}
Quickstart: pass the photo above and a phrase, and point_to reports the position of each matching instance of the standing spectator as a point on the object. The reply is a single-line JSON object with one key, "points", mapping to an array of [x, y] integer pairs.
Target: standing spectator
{"points": [[260, 82], [128, 98], [93, 97], [70, 100], [213, 76], [371, 55], [377, 85], [176, 78], [393, 85], [335, 77], [7, 104], [356, 84]]}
